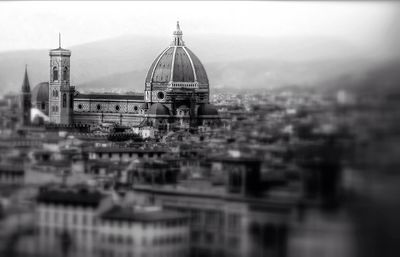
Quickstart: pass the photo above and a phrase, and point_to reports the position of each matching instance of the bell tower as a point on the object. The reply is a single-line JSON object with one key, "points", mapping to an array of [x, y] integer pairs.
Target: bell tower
{"points": [[61, 93]]}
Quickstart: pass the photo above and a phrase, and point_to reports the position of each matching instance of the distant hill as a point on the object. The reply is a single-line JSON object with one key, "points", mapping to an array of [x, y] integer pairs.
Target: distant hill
{"points": [[232, 62]]}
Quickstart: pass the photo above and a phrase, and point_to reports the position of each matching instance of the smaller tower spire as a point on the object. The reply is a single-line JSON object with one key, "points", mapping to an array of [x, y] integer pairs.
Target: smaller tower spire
{"points": [[25, 100], [25, 84], [59, 40]]}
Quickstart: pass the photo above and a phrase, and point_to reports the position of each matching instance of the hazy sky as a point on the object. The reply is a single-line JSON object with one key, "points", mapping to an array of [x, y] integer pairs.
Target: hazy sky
{"points": [[26, 25]]}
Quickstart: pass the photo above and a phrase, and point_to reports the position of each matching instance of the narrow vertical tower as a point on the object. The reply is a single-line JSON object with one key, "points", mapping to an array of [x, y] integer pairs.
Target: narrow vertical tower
{"points": [[61, 93], [178, 36], [26, 100]]}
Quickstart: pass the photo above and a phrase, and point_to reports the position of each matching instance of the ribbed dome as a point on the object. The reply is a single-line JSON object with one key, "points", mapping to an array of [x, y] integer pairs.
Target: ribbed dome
{"points": [[177, 64], [180, 63], [207, 110], [40, 93], [158, 109]]}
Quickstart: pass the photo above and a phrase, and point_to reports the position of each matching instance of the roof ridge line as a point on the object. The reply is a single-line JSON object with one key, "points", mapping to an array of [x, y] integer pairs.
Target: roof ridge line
{"points": [[155, 66], [173, 65], [191, 62]]}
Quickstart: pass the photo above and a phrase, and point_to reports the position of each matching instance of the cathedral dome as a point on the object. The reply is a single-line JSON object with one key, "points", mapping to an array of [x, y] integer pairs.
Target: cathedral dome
{"points": [[158, 110], [40, 93], [177, 64]]}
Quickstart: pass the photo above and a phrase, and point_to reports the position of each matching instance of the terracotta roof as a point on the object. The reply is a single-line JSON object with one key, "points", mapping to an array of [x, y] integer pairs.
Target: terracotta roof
{"points": [[112, 149], [128, 214], [184, 65], [134, 97], [158, 109], [75, 197]]}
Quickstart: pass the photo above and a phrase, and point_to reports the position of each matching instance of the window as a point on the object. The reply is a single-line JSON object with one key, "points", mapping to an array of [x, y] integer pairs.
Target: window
{"points": [[233, 242], [65, 218], [160, 95], [212, 218], [117, 107], [135, 108], [209, 238], [64, 100], [54, 108], [47, 216], [65, 74], [79, 106], [74, 219], [233, 221], [195, 236], [129, 240], [55, 93], [98, 107], [195, 217], [55, 73], [270, 233], [43, 106]]}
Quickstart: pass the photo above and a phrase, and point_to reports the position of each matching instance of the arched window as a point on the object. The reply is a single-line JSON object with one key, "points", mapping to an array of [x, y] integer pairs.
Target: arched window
{"points": [[64, 100], [55, 73], [65, 74]]}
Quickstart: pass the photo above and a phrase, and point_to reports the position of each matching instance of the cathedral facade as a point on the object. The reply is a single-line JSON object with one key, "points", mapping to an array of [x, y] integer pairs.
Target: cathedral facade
{"points": [[176, 94]]}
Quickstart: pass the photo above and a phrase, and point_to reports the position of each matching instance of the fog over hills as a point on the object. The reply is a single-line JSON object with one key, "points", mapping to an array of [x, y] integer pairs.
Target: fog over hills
{"points": [[121, 64]]}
